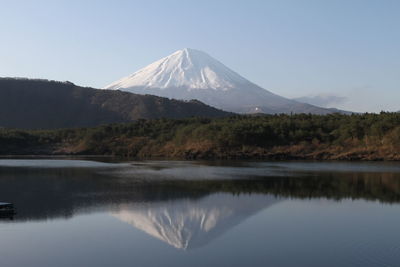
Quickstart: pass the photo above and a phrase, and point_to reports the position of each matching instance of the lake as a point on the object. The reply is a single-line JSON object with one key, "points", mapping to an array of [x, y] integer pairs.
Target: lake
{"points": [[192, 213]]}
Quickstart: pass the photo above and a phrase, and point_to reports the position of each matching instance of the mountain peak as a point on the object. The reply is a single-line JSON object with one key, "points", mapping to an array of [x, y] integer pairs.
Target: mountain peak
{"points": [[188, 50], [189, 68], [192, 53], [192, 74]]}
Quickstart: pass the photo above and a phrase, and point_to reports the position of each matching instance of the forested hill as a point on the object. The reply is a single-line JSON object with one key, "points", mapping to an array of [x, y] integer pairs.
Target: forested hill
{"points": [[44, 104], [334, 136]]}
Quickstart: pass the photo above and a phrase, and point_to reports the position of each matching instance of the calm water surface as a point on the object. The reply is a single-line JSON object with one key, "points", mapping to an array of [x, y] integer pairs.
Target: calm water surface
{"points": [[173, 213]]}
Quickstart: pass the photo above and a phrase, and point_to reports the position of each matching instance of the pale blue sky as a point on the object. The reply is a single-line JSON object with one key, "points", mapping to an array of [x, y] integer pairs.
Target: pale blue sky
{"points": [[348, 48]]}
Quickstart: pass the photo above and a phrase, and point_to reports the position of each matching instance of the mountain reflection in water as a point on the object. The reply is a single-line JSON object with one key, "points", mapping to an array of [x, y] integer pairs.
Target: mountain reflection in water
{"points": [[85, 213], [186, 223], [47, 193]]}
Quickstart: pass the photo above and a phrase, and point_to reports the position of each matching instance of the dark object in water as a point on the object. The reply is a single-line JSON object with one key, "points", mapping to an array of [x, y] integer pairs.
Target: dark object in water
{"points": [[6, 210]]}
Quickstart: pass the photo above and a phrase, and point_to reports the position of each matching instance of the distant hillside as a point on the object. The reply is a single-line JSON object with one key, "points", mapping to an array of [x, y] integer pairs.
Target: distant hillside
{"points": [[26, 103]]}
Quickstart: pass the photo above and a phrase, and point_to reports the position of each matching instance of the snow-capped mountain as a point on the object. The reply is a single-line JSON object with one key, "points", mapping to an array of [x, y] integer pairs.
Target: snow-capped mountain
{"points": [[191, 74], [187, 68]]}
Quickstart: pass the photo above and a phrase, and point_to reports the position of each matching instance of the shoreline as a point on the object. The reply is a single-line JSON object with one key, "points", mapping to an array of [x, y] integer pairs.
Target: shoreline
{"points": [[269, 157]]}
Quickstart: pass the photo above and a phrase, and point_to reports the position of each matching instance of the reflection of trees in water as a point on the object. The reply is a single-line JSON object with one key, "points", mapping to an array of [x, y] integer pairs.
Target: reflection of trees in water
{"points": [[51, 193], [384, 187]]}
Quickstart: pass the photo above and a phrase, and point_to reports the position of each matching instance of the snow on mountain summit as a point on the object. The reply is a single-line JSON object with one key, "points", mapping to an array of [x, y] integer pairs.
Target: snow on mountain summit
{"points": [[185, 68], [192, 74]]}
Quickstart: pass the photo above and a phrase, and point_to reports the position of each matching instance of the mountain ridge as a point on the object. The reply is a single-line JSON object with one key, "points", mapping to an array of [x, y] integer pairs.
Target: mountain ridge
{"points": [[30, 103]]}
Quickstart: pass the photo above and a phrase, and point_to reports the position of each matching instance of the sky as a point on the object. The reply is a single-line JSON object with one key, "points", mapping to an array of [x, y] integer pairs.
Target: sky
{"points": [[346, 51]]}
